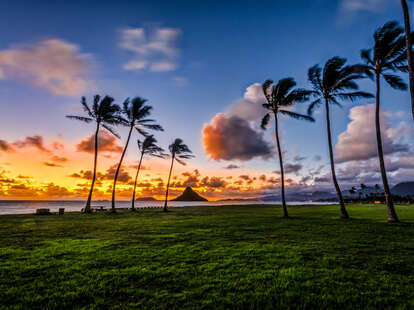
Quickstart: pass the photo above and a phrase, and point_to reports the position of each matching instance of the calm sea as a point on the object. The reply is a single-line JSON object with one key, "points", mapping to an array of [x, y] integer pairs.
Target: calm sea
{"points": [[30, 206]]}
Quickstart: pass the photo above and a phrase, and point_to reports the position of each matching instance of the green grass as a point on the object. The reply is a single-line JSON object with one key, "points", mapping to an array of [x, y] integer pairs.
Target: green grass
{"points": [[236, 257]]}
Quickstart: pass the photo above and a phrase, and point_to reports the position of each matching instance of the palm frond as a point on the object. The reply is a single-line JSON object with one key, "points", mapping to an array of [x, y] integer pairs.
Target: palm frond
{"points": [[297, 115], [395, 81], [265, 121], [353, 96], [111, 130], [80, 118], [314, 105]]}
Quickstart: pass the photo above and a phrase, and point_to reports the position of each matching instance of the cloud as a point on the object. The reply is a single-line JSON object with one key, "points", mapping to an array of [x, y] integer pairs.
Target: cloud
{"points": [[231, 166], [6, 147], [49, 164], [180, 81], [53, 64], [354, 6], [291, 168], [58, 159], [250, 106], [34, 141], [106, 143], [156, 50], [123, 176], [359, 142], [230, 138], [213, 182]]}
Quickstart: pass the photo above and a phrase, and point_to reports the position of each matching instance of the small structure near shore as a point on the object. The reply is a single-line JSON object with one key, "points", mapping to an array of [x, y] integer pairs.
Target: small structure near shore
{"points": [[43, 212]]}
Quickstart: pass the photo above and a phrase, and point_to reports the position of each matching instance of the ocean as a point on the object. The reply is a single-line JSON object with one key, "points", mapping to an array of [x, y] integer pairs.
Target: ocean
{"points": [[30, 206]]}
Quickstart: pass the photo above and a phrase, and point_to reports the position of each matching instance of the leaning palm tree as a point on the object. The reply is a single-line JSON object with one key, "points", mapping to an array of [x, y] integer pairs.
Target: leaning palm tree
{"points": [[135, 113], [147, 147], [386, 57], [408, 45], [179, 151], [280, 97], [105, 113], [335, 82]]}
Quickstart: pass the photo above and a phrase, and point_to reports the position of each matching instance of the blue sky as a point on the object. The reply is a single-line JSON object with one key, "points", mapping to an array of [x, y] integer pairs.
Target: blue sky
{"points": [[223, 47]]}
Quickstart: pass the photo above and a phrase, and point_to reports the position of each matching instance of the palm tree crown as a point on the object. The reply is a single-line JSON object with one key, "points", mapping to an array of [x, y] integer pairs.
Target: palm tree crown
{"points": [[149, 147], [135, 113], [336, 82], [103, 112], [281, 96], [179, 151], [388, 55]]}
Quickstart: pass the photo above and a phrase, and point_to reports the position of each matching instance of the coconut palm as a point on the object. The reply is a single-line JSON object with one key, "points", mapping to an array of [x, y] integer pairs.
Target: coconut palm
{"points": [[147, 147], [179, 151], [135, 113], [408, 45], [104, 113], [279, 97], [385, 58], [335, 82]]}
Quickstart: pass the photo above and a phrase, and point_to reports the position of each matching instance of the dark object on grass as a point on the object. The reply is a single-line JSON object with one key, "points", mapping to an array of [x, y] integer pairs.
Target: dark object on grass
{"points": [[61, 211], [189, 195], [43, 212]]}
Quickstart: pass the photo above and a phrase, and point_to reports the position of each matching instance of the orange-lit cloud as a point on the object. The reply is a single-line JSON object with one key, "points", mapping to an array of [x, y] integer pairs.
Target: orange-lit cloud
{"points": [[106, 143], [232, 138]]}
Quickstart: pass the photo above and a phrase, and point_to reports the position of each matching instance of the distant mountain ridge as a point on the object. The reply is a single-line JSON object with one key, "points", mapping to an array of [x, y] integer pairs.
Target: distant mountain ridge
{"points": [[189, 195], [403, 189]]}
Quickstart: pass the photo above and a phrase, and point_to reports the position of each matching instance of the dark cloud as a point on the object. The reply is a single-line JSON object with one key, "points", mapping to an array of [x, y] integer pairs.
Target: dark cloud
{"points": [[123, 176], [299, 158], [106, 143], [58, 159], [34, 141], [49, 164], [5, 146], [233, 138], [291, 168], [231, 166], [213, 182]]}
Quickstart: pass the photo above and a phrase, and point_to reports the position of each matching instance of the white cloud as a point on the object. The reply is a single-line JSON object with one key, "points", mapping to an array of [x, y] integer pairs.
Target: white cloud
{"points": [[250, 106], [354, 6], [53, 64], [359, 142], [163, 66], [158, 51]]}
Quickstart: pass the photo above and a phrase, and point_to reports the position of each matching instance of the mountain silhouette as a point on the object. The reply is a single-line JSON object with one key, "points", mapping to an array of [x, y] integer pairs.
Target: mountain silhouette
{"points": [[403, 189], [189, 195]]}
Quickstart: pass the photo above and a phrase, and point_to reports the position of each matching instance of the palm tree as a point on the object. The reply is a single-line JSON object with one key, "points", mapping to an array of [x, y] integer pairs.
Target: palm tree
{"points": [[179, 151], [386, 57], [105, 113], [147, 147], [409, 44], [279, 97], [135, 113], [336, 81]]}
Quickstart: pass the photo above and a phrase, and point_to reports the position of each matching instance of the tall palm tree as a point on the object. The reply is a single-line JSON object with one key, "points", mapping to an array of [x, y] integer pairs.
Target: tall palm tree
{"points": [[335, 82], [409, 44], [135, 113], [279, 97], [147, 147], [179, 151], [385, 58], [105, 113]]}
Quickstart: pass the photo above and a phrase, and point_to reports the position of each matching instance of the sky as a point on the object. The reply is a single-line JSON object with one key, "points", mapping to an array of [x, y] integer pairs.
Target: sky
{"points": [[200, 65]]}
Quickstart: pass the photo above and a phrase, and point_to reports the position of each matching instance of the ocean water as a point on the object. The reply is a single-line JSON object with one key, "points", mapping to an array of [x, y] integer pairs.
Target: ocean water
{"points": [[30, 206]]}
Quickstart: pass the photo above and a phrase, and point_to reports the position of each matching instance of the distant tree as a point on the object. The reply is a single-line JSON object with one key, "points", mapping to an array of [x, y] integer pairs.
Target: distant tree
{"points": [[377, 187], [335, 82], [363, 186], [179, 152], [384, 58], [147, 147], [105, 114], [352, 191], [409, 44], [135, 115], [279, 98]]}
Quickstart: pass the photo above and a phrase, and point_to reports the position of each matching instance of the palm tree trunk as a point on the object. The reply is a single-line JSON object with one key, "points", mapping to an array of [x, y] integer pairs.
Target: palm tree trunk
{"points": [[135, 183], [392, 215], [409, 47], [88, 202], [343, 213], [282, 174], [168, 184], [118, 168]]}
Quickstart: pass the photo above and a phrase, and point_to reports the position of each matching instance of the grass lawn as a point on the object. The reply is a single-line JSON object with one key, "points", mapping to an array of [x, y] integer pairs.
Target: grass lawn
{"points": [[235, 257]]}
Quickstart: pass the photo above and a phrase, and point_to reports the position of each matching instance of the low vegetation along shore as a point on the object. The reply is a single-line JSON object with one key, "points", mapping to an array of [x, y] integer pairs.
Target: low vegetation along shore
{"points": [[238, 257]]}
